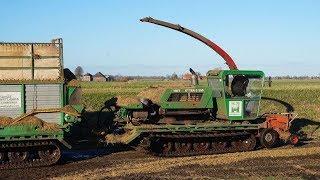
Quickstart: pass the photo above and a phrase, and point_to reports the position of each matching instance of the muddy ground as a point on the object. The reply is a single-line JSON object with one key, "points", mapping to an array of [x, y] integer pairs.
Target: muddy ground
{"points": [[283, 162]]}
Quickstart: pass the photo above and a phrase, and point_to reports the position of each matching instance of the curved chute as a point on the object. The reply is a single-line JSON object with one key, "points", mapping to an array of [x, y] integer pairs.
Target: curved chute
{"points": [[229, 61]]}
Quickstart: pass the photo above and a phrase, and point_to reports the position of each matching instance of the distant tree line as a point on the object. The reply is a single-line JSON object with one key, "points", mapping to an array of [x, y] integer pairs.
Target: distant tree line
{"points": [[174, 76], [79, 73], [296, 77]]}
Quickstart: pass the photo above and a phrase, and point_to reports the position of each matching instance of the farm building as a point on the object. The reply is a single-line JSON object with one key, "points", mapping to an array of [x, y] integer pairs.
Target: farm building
{"points": [[99, 77], [87, 77], [188, 76]]}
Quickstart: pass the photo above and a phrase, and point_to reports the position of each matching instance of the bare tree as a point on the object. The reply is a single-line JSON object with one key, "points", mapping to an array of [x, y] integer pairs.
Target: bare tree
{"points": [[174, 76], [78, 72]]}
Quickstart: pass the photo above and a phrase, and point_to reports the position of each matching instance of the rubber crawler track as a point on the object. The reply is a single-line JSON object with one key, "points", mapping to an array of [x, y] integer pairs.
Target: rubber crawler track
{"points": [[32, 148], [173, 145]]}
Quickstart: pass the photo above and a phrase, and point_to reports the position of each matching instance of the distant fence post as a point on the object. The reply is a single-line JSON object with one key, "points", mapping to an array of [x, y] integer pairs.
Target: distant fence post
{"points": [[269, 81]]}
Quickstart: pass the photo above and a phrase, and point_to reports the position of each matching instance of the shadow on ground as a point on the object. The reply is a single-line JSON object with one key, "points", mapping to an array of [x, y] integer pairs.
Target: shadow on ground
{"points": [[289, 107], [299, 124], [88, 138], [70, 156]]}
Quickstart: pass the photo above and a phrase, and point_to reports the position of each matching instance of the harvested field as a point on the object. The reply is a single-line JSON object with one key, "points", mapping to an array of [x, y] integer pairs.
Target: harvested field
{"points": [[292, 162], [153, 92], [126, 100], [74, 83], [165, 164]]}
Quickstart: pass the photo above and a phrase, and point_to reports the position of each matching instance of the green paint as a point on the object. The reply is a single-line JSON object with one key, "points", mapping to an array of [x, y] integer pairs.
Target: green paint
{"points": [[134, 106], [23, 132], [78, 107], [205, 102], [70, 91], [123, 112]]}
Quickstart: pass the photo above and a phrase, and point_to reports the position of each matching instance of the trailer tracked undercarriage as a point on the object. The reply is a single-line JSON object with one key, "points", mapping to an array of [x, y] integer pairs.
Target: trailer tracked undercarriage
{"points": [[23, 154]]}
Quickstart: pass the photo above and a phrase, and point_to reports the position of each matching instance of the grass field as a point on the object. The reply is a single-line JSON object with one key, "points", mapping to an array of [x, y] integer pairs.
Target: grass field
{"points": [[302, 95]]}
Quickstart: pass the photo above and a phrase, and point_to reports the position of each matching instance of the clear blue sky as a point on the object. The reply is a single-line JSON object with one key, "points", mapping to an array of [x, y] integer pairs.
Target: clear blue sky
{"points": [[278, 37]]}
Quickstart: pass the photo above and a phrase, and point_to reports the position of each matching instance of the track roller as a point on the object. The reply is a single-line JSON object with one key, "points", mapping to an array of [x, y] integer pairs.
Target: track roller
{"points": [[201, 146], [2, 156], [183, 147], [18, 156], [167, 147], [249, 143], [50, 153], [219, 146]]}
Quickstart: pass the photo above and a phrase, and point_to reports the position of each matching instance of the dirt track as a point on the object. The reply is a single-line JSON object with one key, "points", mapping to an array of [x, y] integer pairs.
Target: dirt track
{"points": [[303, 162]]}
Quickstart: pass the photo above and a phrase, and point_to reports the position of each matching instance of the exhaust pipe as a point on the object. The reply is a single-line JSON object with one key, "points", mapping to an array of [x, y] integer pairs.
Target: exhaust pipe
{"points": [[194, 78]]}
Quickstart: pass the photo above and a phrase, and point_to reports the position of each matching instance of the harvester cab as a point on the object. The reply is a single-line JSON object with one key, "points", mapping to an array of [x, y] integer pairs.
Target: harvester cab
{"points": [[236, 93], [232, 95]]}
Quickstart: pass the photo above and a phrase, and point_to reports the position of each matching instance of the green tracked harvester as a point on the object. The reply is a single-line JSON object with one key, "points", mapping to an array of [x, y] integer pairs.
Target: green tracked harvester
{"points": [[39, 103], [221, 116]]}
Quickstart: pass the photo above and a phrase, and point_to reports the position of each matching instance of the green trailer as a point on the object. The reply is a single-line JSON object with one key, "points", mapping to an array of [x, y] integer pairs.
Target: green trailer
{"points": [[38, 104]]}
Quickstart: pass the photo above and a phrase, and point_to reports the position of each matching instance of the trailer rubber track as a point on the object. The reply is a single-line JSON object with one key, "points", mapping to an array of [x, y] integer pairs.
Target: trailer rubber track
{"points": [[175, 145], [39, 153]]}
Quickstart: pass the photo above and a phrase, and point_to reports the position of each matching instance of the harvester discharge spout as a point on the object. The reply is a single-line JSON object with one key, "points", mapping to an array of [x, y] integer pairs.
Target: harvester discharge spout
{"points": [[229, 61]]}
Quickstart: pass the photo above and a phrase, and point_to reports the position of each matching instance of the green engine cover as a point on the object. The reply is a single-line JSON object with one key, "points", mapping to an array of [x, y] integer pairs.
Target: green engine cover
{"points": [[187, 98]]}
